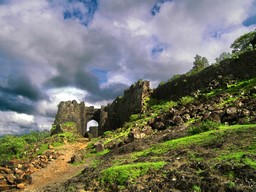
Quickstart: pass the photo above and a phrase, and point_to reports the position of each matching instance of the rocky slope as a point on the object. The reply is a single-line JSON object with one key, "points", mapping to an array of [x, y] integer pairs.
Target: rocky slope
{"points": [[202, 142]]}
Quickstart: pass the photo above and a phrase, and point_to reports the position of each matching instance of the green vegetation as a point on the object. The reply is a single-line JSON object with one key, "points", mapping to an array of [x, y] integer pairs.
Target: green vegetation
{"points": [[199, 139], [117, 134], [198, 65], [223, 56], [160, 106], [21, 146], [44, 147], [134, 117], [123, 173], [203, 127], [107, 133], [93, 153], [196, 188], [187, 100], [244, 43], [66, 136], [16, 146], [242, 86], [241, 154]]}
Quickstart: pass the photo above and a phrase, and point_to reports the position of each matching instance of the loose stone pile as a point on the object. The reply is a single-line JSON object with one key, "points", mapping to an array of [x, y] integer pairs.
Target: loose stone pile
{"points": [[17, 173]]}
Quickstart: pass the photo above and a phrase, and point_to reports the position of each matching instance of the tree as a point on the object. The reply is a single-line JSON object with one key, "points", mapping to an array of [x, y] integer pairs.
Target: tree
{"points": [[198, 65], [223, 56], [244, 42]]}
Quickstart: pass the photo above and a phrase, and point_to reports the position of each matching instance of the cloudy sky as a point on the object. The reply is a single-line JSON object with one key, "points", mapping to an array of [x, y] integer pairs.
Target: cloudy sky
{"points": [[91, 50]]}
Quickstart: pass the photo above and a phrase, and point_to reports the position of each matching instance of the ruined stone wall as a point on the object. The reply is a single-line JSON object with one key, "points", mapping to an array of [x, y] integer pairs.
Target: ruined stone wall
{"points": [[242, 68], [132, 102], [70, 111], [109, 117]]}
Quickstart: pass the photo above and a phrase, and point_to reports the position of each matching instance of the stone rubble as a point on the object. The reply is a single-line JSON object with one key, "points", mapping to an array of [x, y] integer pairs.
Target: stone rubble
{"points": [[16, 174]]}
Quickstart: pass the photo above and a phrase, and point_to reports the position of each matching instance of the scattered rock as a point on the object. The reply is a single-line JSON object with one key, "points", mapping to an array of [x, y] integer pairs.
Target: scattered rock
{"points": [[159, 126], [78, 158], [21, 186], [136, 133], [99, 147], [178, 120], [15, 174]]}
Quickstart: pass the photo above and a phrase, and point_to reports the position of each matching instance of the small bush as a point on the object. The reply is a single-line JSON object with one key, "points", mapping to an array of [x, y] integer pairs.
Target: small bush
{"points": [[122, 173], [15, 146], [203, 127], [196, 188], [107, 133], [134, 117], [186, 100]]}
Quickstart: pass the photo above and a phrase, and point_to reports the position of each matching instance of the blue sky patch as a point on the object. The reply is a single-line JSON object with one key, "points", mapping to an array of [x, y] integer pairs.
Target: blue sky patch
{"points": [[157, 50], [81, 10], [101, 74], [250, 21], [156, 9], [3, 2]]}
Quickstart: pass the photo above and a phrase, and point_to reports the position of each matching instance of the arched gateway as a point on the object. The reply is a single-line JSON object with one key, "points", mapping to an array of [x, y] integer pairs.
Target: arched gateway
{"points": [[109, 117], [71, 111]]}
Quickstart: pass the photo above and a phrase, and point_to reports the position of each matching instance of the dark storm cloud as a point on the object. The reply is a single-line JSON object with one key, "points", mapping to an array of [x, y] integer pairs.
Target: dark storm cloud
{"points": [[18, 93], [10, 102], [88, 81], [21, 86], [108, 93], [58, 50]]}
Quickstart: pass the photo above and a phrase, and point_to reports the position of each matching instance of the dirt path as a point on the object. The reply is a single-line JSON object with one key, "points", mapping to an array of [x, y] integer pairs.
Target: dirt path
{"points": [[59, 170]]}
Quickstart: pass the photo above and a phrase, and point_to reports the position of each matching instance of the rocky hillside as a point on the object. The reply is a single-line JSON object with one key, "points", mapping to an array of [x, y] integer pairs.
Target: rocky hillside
{"points": [[205, 141], [194, 133]]}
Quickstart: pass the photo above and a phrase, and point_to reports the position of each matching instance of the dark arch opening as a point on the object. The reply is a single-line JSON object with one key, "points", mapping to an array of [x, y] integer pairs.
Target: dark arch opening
{"points": [[92, 128]]}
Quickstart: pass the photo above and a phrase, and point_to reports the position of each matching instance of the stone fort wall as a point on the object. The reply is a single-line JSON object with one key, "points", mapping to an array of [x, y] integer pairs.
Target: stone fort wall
{"points": [[109, 117]]}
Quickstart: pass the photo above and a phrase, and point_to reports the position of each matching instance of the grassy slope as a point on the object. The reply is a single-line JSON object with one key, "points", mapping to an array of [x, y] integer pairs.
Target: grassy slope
{"points": [[219, 154], [221, 159]]}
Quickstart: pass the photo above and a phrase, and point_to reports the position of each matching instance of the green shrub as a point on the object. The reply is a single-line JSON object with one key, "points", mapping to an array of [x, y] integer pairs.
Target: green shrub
{"points": [[16, 146], [203, 127], [107, 133], [11, 147], [160, 106], [186, 100], [69, 136], [196, 188], [122, 173], [134, 117], [35, 136]]}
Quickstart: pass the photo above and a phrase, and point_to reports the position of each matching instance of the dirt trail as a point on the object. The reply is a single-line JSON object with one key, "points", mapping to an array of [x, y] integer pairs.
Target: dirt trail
{"points": [[59, 170]]}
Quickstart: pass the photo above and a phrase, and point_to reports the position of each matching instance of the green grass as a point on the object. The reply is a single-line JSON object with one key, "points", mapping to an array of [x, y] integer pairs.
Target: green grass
{"points": [[44, 147], [244, 155], [186, 100], [241, 86], [203, 127], [16, 146], [199, 139], [227, 101], [122, 173], [196, 188], [94, 154], [160, 106]]}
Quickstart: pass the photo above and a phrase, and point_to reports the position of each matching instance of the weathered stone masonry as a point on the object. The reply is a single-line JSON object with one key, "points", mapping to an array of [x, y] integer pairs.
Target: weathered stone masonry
{"points": [[118, 112], [109, 117]]}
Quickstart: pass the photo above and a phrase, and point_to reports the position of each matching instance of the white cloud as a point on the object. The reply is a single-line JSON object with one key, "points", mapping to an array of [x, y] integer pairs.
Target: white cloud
{"points": [[16, 123], [59, 56]]}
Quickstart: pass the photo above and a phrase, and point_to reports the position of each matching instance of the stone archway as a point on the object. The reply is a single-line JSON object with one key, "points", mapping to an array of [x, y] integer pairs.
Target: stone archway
{"points": [[90, 113], [92, 128]]}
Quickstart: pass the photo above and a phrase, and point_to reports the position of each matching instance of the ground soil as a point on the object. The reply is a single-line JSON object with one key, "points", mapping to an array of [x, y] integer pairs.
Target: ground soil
{"points": [[59, 170]]}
